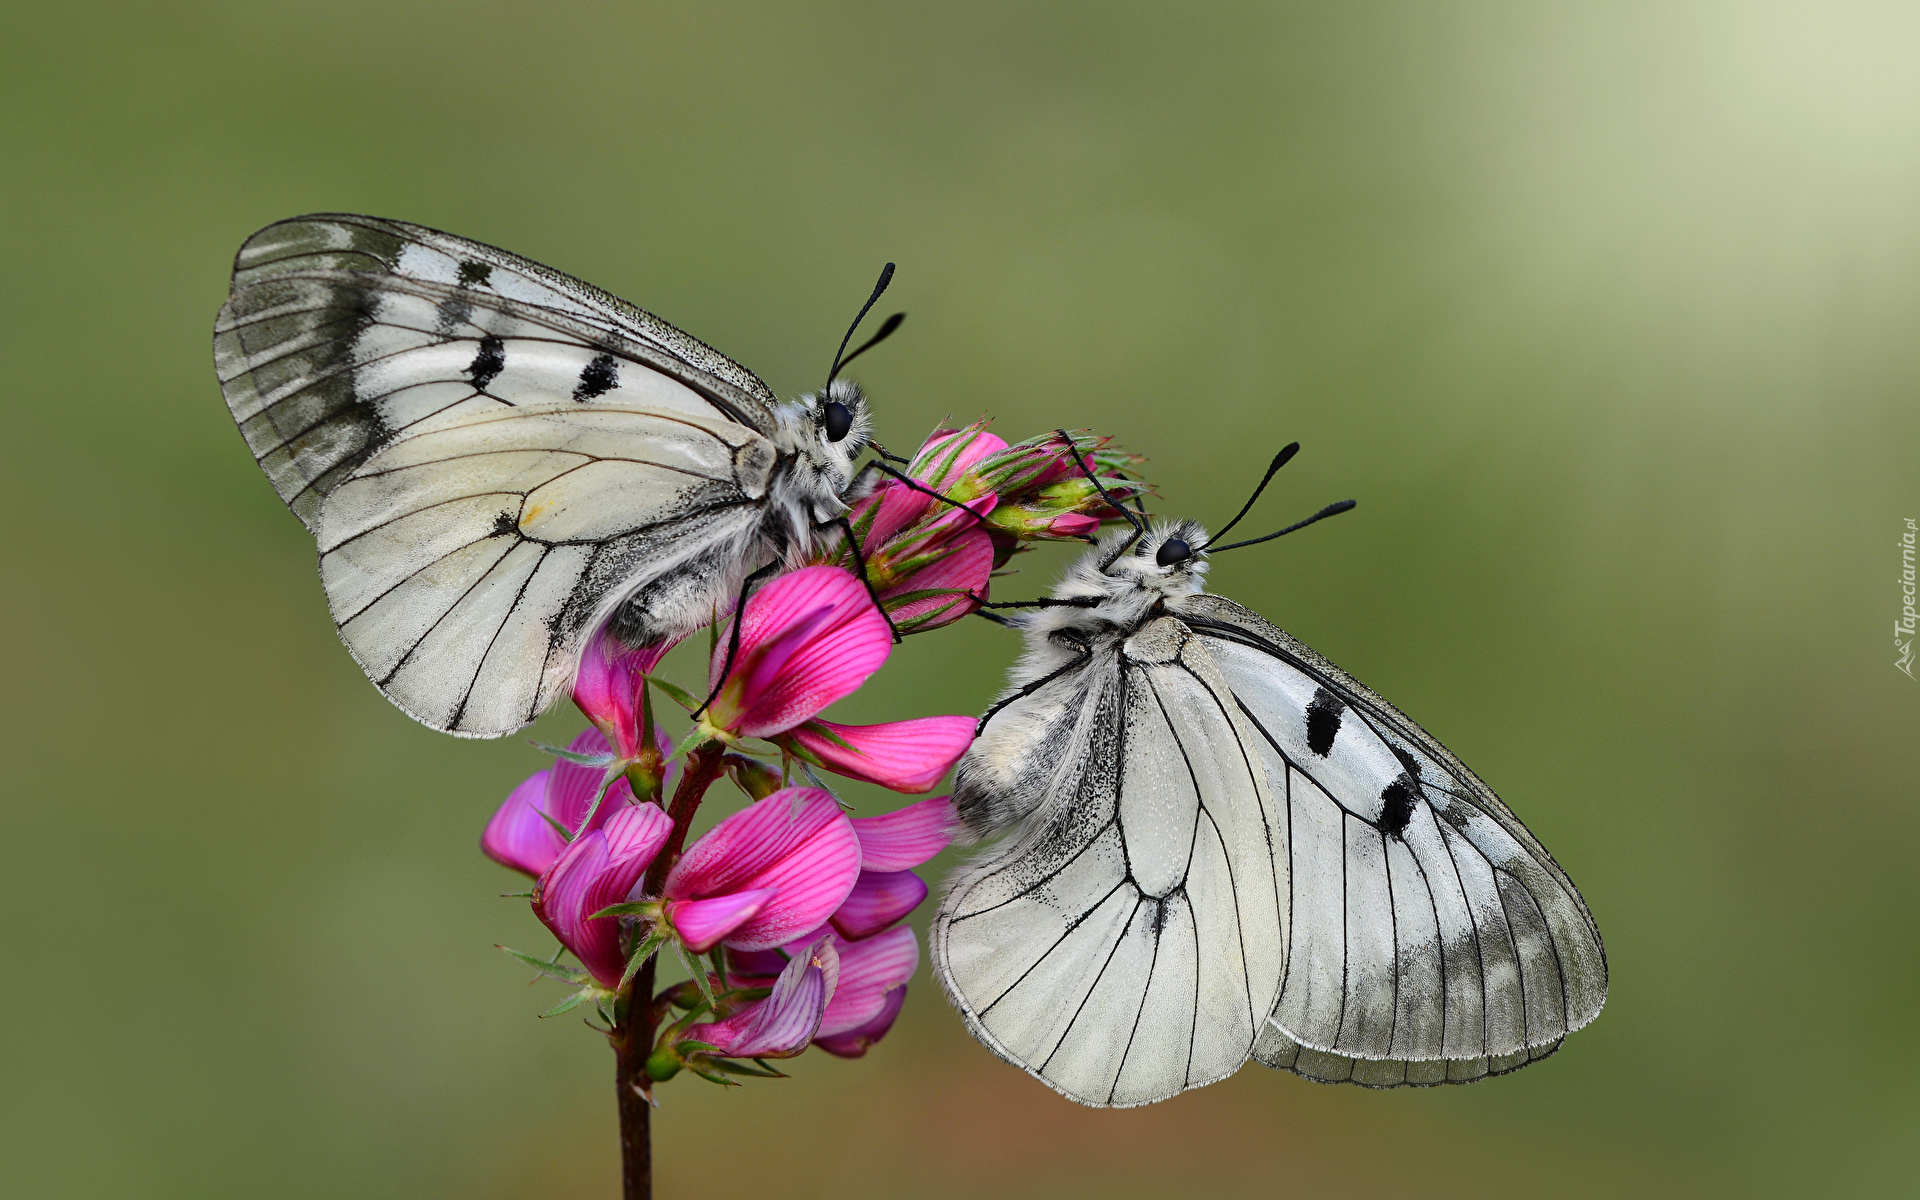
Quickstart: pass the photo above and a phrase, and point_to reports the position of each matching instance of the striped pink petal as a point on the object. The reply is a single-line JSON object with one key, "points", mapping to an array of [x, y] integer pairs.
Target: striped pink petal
{"points": [[796, 841], [906, 756], [781, 1025], [856, 1042], [908, 836], [518, 836], [701, 924], [868, 971], [808, 638], [572, 786], [878, 899], [598, 869]]}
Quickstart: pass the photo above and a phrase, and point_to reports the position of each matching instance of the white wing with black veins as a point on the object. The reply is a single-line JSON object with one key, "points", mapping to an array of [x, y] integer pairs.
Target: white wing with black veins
{"points": [[1434, 940], [344, 333], [466, 565], [1129, 944]]}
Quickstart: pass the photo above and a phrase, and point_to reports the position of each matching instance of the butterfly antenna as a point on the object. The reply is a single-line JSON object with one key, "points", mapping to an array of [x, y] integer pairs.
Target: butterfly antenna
{"points": [[886, 331], [1279, 460], [1331, 510], [840, 355], [1073, 448]]}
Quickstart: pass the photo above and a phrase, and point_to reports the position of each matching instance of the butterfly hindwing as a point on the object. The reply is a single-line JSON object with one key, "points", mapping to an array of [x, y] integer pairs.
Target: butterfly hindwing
{"points": [[466, 564], [1434, 939], [1128, 945], [344, 333]]}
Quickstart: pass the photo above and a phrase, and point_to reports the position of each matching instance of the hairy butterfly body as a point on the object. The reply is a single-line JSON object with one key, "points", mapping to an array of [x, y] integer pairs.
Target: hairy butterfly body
{"points": [[497, 458], [1221, 846]]}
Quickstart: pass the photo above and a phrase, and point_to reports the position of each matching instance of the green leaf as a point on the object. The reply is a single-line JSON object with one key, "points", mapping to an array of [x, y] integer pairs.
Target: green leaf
{"points": [[552, 970], [568, 1005], [675, 692], [692, 963]]}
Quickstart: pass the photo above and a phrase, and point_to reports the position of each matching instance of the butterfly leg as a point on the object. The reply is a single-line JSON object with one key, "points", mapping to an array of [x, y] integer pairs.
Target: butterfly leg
{"points": [[1086, 652], [860, 561], [733, 641]]}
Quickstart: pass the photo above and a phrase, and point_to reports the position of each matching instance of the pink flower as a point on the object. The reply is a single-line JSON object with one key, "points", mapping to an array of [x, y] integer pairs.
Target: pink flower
{"points": [[525, 834], [609, 687], [597, 870], [906, 756], [796, 845], [871, 988], [1045, 494], [906, 837], [781, 1025], [808, 638], [890, 845]]}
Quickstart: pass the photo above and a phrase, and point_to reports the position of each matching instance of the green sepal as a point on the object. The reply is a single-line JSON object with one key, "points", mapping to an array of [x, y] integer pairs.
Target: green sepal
{"points": [[641, 953], [613, 773], [566, 835], [574, 756], [551, 970], [699, 973], [663, 1064], [675, 692], [526, 895], [631, 908], [568, 1005], [734, 1066], [710, 1077]]}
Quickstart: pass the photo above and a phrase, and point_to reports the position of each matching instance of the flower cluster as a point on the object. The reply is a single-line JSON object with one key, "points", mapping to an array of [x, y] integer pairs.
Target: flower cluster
{"points": [[931, 545], [788, 913]]}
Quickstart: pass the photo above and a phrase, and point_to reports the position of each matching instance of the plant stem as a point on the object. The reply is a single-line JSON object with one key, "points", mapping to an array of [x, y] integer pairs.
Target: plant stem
{"points": [[633, 1039]]}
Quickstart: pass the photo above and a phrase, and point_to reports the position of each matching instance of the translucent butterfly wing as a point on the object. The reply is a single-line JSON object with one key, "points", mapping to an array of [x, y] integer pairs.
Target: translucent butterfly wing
{"points": [[343, 333], [1433, 938], [464, 565], [1129, 944]]}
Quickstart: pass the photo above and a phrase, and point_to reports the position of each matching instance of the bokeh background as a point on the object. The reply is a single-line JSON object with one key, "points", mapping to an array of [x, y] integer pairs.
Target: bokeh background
{"points": [[1605, 313]]}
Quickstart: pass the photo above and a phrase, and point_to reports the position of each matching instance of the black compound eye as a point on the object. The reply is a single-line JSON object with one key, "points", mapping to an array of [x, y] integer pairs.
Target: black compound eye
{"points": [[838, 421], [1172, 551]]}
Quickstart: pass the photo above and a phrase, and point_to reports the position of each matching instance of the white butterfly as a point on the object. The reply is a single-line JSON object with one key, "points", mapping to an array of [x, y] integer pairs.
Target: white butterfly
{"points": [[1226, 847], [496, 458]]}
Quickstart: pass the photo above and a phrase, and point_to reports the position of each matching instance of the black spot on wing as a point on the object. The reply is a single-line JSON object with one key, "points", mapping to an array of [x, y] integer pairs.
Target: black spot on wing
{"points": [[597, 378], [1396, 806], [488, 363], [475, 274], [1323, 721], [505, 523]]}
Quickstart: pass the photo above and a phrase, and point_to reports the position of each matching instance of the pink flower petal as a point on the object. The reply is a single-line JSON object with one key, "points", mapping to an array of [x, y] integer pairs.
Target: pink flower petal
{"points": [[878, 899], [906, 756], [781, 1025], [607, 686], [949, 453], [797, 841], [572, 786], [856, 1042], [702, 923], [838, 639], [518, 836], [868, 971], [906, 837], [600, 868]]}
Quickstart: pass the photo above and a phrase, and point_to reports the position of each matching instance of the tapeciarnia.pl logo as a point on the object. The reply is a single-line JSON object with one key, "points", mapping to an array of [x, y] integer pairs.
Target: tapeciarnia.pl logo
{"points": [[1903, 628]]}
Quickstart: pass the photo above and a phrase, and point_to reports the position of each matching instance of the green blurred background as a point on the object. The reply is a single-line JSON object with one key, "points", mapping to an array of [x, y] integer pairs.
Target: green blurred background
{"points": [[1605, 313]]}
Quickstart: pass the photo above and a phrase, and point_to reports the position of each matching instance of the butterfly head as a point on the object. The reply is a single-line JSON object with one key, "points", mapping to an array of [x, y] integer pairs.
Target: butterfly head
{"points": [[1168, 560], [825, 431]]}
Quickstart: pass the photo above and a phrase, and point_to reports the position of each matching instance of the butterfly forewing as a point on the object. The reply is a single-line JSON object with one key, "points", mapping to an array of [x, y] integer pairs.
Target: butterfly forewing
{"points": [[1434, 939], [1129, 944], [345, 333]]}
